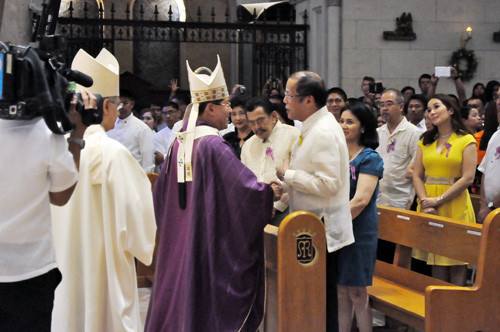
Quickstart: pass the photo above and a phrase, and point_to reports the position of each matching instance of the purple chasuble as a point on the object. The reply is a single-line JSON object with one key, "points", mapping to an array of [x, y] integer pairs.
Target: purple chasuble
{"points": [[210, 267]]}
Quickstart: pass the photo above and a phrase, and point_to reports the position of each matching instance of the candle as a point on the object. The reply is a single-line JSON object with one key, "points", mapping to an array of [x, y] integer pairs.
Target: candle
{"points": [[469, 32]]}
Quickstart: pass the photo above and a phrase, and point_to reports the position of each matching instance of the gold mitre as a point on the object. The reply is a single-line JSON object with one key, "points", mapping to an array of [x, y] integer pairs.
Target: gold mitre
{"points": [[104, 70], [207, 87]]}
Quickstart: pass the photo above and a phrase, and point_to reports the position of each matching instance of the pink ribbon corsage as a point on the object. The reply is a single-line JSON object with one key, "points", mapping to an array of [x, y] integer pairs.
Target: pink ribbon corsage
{"points": [[353, 172], [447, 146], [497, 154], [392, 145], [269, 152]]}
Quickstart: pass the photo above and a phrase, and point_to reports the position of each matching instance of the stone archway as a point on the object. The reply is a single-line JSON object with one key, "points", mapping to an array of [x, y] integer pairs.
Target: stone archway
{"points": [[78, 8], [157, 62]]}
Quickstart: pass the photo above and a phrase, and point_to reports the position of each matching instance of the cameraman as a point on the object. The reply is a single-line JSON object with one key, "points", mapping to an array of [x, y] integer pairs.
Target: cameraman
{"points": [[38, 168]]}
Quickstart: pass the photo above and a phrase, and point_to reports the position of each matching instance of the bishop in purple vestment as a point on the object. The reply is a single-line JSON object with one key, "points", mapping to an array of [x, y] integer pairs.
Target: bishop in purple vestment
{"points": [[210, 267]]}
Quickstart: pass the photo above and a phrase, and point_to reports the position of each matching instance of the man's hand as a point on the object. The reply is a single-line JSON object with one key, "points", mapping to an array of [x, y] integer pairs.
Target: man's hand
{"points": [[173, 85], [89, 102], [159, 158], [483, 213], [278, 190], [281, 170], [236, 90]]}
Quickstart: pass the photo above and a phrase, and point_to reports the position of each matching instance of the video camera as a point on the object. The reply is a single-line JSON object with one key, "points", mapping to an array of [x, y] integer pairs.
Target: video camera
{"points": [[34, 82]]}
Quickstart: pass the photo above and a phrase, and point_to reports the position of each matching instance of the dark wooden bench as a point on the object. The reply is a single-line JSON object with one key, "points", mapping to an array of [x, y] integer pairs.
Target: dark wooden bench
{"points": [[430, 304], [295, 255]]}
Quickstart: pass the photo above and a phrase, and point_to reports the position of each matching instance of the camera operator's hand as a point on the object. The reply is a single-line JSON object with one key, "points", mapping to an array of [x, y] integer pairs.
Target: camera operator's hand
{"points": [[89, 102]]}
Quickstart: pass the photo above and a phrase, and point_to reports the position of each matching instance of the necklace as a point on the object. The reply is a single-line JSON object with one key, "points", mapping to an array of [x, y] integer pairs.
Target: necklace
{"points": [[355, 153], [443, 136]]}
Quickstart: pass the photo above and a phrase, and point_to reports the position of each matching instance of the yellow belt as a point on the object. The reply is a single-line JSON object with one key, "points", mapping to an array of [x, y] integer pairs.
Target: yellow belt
{"points": [[443, 181]]}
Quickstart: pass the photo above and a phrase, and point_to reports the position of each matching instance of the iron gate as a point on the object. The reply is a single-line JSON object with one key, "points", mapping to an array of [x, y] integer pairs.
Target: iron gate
{"points": [[277, 48]]}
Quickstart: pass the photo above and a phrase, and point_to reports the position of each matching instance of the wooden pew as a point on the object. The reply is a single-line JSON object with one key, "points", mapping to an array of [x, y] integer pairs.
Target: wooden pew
{"points": [[429, 304], [145, 274], [295, 256]]}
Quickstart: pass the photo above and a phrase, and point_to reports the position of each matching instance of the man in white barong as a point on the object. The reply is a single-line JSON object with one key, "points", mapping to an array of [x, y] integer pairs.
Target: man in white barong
{"points": [[108, 221]]}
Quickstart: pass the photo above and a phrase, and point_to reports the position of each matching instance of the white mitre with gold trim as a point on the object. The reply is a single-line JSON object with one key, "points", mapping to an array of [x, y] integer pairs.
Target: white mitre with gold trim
{"points": [[104, 70], [204, 88], [207, 88]]}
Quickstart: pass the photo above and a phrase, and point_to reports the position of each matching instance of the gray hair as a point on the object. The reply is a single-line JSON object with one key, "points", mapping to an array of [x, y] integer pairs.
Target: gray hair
{"points": [[399, 96]]}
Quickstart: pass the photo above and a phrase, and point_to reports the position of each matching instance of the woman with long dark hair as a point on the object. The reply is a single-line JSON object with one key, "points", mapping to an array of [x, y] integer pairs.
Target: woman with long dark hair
{"points": [[356, 262], [445, 165]]}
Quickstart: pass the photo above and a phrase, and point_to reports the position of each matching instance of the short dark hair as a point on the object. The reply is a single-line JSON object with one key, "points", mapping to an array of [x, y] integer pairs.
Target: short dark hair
{"points": [[456, 120], [172, 104], [368, 120], [419, 97], [256, 102], [403, 90], [281, 110], [126, 93], [338, 91], [182, 98], [368, 78], [203, 105], [465, 111], [480, 98], [423, 76], [239, 101], [310, 84]]}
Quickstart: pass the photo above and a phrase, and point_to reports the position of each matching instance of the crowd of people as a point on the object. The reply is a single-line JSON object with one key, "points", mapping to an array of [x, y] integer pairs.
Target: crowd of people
{"points": [[229, 164]]}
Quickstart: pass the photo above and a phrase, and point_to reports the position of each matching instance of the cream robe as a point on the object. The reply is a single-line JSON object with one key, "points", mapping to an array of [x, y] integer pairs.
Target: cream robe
{"points": [[108, 221]]}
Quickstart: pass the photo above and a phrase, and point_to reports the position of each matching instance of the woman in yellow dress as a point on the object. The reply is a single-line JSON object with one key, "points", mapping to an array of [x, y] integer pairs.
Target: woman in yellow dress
{"points": [[445, 165]]}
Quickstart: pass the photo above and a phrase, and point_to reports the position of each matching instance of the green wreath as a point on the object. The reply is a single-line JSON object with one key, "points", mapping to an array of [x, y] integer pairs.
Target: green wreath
{"points": [[468, 56]]}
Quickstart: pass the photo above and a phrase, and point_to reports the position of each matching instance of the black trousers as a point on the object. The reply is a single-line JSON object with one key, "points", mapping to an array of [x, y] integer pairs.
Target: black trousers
{"points": [[27, 305], [332, 308]]}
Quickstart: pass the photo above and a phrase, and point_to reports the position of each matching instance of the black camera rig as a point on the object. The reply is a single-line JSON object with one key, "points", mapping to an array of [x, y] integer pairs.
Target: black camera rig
{"points": [[34, 82]]}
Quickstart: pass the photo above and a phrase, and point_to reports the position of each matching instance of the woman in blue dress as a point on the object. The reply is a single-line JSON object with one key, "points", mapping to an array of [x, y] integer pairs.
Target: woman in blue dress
{"points": [[356, 262]]}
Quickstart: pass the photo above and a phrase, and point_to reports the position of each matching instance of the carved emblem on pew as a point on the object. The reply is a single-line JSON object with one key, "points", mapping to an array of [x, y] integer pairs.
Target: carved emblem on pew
{"points": [[306, 251]]}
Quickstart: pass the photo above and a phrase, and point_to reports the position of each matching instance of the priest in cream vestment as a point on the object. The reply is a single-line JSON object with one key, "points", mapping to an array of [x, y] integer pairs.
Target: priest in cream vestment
{"points": [[108, 221]]}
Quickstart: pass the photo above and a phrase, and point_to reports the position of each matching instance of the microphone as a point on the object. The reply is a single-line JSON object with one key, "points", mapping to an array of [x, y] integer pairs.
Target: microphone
{"points": [[79, 78]]}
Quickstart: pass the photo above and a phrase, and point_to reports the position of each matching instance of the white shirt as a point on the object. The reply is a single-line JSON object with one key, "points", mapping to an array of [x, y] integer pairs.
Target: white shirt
{"points": [[318, 178], [175, 128], [490, 167], [262, 157], [395, 190], [421, 126], [162, 141], [137, 138], [229, 129], [34, 162]]}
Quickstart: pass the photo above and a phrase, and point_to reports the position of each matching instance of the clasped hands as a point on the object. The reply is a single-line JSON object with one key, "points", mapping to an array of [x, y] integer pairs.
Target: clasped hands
{"points": [[429, 205]]}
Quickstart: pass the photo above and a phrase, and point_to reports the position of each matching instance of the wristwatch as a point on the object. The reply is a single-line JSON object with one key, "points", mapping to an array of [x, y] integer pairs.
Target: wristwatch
{"points": [[78, 141], [491, 206]]}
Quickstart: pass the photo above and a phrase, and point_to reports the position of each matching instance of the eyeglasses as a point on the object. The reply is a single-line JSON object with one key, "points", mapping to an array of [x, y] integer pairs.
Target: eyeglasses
{"points": [[171, 112], [336, 101], [287, 96], [389, 104], [228, 105]]}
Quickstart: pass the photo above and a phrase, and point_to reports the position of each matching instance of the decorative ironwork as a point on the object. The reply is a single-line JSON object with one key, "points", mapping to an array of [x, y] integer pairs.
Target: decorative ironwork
{"points": [[279, 48]]}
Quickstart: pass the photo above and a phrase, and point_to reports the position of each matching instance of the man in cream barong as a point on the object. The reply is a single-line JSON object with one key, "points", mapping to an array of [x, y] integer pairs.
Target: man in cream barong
{"points": [[108, 221]]}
